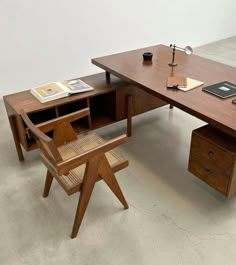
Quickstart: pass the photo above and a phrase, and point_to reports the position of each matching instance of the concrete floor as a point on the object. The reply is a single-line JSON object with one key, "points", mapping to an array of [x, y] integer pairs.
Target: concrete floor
{"points": [[173, 219]]}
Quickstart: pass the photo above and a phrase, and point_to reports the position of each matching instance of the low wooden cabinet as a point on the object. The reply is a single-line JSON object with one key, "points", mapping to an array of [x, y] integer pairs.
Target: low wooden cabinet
{"points": [[111, 101], [213, 158]]}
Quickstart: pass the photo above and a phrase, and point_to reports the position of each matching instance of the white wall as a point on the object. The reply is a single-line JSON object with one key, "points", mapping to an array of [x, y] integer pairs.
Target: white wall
{"points": [[50, 40]]}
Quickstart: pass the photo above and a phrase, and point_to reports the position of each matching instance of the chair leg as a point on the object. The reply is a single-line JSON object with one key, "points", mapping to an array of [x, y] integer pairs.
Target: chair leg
{"points": [[85, 194], [48, 183], [108, 176], [82, 206]]}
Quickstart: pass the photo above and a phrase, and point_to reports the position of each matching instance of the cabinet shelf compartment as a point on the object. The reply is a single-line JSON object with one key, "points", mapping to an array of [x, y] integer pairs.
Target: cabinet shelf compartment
{"points": [[102, 109], [82, 124], [72, 106], [43, 115]]}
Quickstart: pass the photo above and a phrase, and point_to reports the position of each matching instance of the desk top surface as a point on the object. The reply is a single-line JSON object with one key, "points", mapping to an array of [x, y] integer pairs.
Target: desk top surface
{"points": [[152, 78]]}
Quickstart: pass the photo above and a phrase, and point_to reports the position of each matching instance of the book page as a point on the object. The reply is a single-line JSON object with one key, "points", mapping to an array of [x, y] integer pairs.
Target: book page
{"points": [[49, 90], [77, 85]]}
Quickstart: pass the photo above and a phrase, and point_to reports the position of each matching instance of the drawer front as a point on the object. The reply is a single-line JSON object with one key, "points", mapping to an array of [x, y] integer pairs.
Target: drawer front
{"points": [[210, 163]]}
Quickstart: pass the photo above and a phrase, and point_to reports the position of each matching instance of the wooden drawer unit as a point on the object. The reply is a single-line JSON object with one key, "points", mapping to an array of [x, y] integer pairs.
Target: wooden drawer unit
{"points": [[212, 158]]}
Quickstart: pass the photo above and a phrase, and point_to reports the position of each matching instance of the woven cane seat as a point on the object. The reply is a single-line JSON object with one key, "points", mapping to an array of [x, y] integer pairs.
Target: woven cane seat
{"points": [[81, 145]]}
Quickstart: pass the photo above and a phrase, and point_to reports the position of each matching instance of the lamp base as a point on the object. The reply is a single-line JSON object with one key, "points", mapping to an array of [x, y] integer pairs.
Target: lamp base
{"points": [[172, 64]]}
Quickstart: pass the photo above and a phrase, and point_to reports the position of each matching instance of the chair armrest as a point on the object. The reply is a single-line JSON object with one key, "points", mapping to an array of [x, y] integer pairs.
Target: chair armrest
{"points": [[68, 118], [65, 166]]}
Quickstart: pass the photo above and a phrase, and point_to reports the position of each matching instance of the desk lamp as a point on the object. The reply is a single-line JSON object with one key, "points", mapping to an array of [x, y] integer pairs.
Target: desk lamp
{"points": [[188, 50]]}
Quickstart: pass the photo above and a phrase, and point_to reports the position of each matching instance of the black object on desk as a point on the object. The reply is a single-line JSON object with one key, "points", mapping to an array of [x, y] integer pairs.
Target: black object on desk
{"points": [[223, 89], [147, 56]]}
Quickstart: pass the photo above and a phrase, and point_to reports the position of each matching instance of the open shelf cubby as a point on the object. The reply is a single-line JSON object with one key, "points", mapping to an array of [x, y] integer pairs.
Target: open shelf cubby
{"points": [[103, 109], [42, 115]]}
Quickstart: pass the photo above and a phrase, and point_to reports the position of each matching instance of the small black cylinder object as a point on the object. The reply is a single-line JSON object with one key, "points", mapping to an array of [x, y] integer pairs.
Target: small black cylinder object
{"points": [[147, 56]]}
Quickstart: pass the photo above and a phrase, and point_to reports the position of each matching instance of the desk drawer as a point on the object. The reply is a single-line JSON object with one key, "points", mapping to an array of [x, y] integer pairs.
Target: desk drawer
{"points": [[212, 158]]}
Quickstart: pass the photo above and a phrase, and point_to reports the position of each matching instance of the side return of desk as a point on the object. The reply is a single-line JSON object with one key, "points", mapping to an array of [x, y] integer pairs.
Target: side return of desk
{"points": [[109, 102]]}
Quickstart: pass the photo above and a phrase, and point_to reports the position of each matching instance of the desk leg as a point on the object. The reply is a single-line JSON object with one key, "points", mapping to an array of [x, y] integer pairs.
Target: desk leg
{"points": [[108, 77], [16, 138], [129, 115]]}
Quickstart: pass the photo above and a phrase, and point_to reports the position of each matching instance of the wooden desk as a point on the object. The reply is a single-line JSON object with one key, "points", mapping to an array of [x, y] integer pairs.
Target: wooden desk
{"points": [[109, 102], [219, 113], [152, 78]]}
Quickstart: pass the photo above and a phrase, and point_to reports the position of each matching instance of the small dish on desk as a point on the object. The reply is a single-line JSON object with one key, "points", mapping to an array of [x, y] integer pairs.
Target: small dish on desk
{"points": [[147, 56]]}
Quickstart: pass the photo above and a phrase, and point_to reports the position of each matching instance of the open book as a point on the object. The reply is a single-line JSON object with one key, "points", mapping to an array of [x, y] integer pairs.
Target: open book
{"points": [[56, 90]]}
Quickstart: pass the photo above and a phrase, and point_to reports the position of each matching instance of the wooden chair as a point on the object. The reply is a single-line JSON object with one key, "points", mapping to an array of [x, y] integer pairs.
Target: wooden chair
{"points": [[77, 163]]}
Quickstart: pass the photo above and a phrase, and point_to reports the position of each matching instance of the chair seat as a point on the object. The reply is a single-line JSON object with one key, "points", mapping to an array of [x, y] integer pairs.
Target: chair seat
{"points": [[84, 143]]}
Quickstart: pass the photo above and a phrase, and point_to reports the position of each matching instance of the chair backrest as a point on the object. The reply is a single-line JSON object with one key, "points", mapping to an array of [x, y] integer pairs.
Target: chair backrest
{"points": [[44, 142], [62, 133]]}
